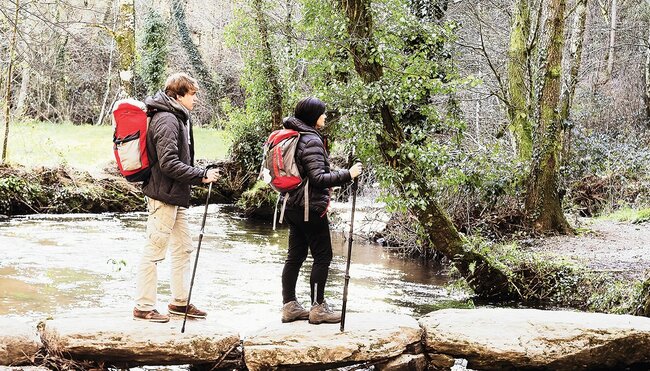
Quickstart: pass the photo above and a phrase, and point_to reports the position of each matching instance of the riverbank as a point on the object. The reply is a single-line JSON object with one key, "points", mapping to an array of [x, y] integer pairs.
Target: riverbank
{"points": [[485, 339], [63, 190]]}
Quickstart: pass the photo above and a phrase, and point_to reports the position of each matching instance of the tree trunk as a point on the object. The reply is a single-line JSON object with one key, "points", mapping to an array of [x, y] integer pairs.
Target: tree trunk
{"points": [[647, 78], [125, 39], [12, 56], [196, 60], [25, 75], [288, 27], [543, 199], [107, 91], [485, 279], [518, 61], [612, 39], [575, 58], [274, 99]]}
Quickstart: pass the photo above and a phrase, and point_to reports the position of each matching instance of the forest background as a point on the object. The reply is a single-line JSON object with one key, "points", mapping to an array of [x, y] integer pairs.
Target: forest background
{"points": [[483, 122]]}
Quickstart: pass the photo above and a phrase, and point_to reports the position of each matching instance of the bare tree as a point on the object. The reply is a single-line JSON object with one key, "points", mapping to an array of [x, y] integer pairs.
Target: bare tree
{"points": [[575, 58], [612, 39], [102, 112], [12, 56]]}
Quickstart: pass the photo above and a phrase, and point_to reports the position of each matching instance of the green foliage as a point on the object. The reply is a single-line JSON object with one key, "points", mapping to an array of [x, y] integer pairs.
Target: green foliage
{"points": [[16, 192], [249, 131], [606, 171], [603, 154], [618, 296], [547, 280], [250, 125], [154, 40], [627, 214], [418, 79], [116, 265]]}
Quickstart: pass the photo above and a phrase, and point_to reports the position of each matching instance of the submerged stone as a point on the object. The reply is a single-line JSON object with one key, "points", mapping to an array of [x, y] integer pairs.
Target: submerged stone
{"points": [[498, 339], [367, 337], [405, 362], [118, 339], [19, 341]]}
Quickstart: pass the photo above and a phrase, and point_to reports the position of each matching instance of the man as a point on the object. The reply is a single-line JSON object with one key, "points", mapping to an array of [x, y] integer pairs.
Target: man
{"points": [[170, 146]]}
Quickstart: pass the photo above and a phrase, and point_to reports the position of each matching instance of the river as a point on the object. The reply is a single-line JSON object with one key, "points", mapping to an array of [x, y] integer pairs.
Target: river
{"points": [[52, 264]]}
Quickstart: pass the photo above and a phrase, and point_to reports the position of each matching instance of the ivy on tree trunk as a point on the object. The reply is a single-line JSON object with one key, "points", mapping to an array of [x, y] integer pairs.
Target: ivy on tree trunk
{"points": [[543, 199], [271, 73], [202, 72], [518, 60], [483, 277]]}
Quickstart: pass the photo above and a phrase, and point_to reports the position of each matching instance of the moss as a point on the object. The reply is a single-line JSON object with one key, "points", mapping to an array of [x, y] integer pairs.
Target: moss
{"points": [[540, 281], [444, 304], [259, 201], [61, 190], [629, 215]]}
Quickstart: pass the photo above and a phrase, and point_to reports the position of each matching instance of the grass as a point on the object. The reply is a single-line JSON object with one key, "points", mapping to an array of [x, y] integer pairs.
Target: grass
{"points": [[629, 215], [33, 143]]}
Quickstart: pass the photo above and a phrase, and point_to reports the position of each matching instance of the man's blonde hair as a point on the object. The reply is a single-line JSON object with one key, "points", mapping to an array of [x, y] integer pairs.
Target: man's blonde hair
{"points": [[179, 84]]}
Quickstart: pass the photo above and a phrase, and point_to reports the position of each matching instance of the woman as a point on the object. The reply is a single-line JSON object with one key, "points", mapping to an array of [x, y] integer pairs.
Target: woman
{"points": [[314, 234]]}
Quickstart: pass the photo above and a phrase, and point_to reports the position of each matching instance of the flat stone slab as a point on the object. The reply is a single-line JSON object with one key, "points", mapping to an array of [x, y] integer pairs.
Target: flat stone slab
{"points": [[367, 337], [498, 339], [19, 341], [116, 338]]}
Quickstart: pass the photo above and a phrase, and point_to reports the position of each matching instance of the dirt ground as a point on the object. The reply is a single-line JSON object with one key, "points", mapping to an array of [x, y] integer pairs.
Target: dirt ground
{"points": [[603, 245]]}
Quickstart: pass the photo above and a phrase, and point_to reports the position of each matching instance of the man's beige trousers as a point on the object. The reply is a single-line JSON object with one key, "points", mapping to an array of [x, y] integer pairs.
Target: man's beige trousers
{"points": [[167, 227]]}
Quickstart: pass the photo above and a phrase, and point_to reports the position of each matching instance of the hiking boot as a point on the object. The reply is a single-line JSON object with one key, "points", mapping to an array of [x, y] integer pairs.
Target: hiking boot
{"points": [[193, 311], [320, 313], [150, 315], [293, 311]]}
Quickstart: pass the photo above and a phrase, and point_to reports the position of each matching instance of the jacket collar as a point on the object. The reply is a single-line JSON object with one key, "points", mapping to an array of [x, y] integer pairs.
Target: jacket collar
{"points": [[161, 102], [298, 125]]}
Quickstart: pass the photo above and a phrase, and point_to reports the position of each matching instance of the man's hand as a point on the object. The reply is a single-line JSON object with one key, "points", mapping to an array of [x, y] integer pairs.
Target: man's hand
{"points": [[356, 170], [212, 175]]}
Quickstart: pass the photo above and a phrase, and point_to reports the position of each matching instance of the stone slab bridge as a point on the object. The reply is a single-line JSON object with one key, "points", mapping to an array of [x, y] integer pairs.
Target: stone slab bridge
{"points": [[480, 339]]}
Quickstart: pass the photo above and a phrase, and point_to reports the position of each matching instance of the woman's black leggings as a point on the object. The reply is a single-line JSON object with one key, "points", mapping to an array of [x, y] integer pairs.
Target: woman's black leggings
{"points": [[313, 235]]}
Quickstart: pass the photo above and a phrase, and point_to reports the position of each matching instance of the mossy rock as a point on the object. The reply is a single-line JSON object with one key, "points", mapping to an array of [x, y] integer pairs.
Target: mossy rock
{"points": [[258, 202]]}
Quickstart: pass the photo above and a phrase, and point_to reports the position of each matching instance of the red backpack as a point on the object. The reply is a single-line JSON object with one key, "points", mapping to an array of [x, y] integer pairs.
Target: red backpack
{"points": [[130, 139], [279, 169]]}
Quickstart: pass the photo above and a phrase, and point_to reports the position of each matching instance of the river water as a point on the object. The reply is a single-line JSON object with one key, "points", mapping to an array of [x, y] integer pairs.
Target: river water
{"points": [[52, 264]]}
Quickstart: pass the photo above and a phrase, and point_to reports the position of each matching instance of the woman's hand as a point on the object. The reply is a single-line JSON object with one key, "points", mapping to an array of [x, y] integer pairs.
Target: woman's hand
{"points": [[356, 170]]}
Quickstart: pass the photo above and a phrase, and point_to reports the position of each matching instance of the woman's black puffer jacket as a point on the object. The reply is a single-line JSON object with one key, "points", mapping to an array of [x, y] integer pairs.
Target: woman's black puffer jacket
{"points": [[313, 163]]}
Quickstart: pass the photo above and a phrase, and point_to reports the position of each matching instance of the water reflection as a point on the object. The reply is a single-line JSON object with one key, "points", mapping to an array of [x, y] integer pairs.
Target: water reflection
{"points": [[62, 263]]}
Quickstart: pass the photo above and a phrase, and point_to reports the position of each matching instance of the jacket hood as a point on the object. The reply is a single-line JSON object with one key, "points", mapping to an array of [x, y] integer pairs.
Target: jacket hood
{"points": [[297, 125], [160, 102]]}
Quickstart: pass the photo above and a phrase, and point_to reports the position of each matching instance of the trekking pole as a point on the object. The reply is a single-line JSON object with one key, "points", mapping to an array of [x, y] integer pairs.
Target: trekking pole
{"points": [[355, 185], [196, 260]]}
